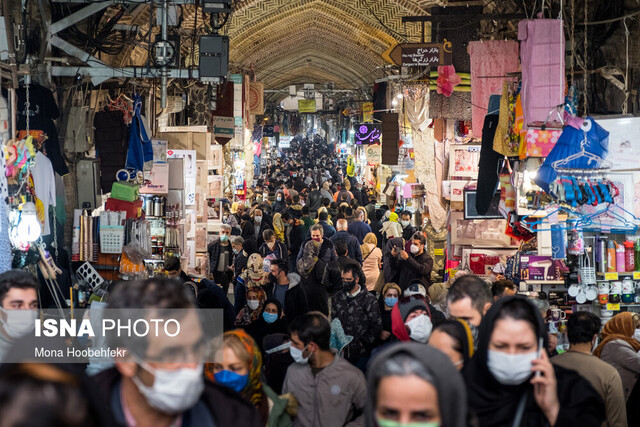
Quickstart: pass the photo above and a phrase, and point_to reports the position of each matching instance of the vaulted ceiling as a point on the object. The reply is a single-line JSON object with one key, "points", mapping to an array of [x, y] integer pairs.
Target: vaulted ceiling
{"points": [[319, 41]]}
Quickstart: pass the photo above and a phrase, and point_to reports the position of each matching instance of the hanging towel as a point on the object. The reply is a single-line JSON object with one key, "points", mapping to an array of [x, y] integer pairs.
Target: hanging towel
{"points": [[489, 58], [542, 57], [140, 148]]}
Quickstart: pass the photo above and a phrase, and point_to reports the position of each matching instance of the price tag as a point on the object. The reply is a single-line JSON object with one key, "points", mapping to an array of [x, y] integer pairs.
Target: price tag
{"points": [[613, 307], [440, 252], [636, 275], [610, 276]]}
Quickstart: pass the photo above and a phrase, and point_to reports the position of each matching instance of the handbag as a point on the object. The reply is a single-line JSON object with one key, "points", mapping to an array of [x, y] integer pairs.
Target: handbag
{"points": [[540, 138]]}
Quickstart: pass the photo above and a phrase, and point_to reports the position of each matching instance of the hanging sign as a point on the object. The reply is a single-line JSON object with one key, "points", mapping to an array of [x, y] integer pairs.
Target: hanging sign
{"points": [[374, 154], [256, 98], [285, 142], [223, 126], [307, 106], [367, 112], [367, 133], [421, 54]]}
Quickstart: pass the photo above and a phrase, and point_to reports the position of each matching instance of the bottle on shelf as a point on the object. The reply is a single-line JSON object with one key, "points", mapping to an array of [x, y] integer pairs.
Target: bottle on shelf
{"points": [[611, 256], [629, 260], [620, 263], [636, 255]]}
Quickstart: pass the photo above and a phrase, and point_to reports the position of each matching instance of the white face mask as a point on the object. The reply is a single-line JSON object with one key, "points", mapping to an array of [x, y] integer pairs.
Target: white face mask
{"points": [[415, 249], [19, 322], [172, 392], [253, 304], [420, 328], [510, 369], [636, 334], [405, 223], [297, 357], [258, 219]]}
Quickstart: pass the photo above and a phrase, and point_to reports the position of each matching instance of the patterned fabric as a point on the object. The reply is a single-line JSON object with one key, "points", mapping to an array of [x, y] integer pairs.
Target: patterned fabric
{"points": [[309, 258], [248, 316], [360, 318], [502, 139]]}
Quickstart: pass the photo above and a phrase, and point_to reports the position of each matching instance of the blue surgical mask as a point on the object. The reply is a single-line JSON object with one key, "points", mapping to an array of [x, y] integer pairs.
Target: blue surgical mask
{"points": [[232, 380], [269, 317], [390, 301]]}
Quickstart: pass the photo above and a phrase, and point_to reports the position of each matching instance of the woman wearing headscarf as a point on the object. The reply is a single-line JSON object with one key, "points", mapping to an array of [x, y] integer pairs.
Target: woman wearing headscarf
{"points": [[511, 381], [371, 260], [240, 263], [620, 346], [241, 371], [387, 300], [311, 268], [453, 338], [414, 384], [270, 321], [278, 227], [326, 191], [253, 308]]}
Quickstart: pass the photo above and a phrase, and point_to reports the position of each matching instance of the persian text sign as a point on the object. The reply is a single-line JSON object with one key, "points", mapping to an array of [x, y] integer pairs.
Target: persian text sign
{"points": [[422, 56]]}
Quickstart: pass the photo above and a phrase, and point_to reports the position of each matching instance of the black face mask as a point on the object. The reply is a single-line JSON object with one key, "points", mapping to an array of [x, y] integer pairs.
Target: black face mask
{"points": [[348, 286], [273, 277]]}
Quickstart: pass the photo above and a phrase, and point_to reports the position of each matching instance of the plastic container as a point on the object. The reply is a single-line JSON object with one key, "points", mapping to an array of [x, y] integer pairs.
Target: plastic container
{"points": [[601, 254], [629, 260], [611, 256], [620, 263], [615, 289], [628, 291], [133, 209], [603, 292], [126, 191]]}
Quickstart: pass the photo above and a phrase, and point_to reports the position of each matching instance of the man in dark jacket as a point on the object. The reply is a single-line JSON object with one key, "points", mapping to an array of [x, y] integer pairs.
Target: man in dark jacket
{"points": [[147, 386], [359, 228], [327, 251], [294, 236], [279, 204], [327, 228], [332, 278], [359, 313], [314, 200], [408, 230], [414, 266], [259, 225], [352, 243], [221, 258], [286, 288]]}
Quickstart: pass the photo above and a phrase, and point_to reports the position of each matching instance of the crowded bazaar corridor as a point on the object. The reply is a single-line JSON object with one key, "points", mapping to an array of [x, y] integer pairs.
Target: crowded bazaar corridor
{"points": [[319, 213]]}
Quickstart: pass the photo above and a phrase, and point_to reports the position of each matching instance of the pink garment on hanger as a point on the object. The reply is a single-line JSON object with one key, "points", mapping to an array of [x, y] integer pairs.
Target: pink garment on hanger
{"points": [[489, 58], [542, 56]]}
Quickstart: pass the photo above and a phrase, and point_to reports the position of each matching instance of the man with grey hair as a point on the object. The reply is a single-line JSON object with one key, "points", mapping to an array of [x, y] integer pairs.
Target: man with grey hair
{"points": [[327, 250], [221, 258], [353, 247], [359, 228]]}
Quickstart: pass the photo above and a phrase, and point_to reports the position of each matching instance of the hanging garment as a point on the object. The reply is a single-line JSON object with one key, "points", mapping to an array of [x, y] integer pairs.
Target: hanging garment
{"points": [[111, 145], [592, 137], [490, 58], [44, 183], [140, 148], [542, 55], [501, 139], [488, 168], [507, 191]]}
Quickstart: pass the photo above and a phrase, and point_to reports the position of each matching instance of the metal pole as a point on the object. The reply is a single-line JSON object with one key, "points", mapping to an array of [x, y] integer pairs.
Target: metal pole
{"points": [[163, 94]]}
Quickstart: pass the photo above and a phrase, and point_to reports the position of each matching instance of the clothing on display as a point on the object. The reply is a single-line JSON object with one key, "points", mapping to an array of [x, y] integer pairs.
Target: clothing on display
{"points": [[542, 55], [44, 182], [490, 60]]}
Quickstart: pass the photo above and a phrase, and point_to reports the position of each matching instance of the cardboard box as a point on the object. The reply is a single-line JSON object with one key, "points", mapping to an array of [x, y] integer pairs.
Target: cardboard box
{"points": [[158, 179], [535, 267]]}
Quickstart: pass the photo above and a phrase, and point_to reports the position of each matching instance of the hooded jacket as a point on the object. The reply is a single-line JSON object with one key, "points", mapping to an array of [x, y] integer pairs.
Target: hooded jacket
{"points": [[327, 251], [495, 404], [445, 378], [413, 269], [296, 299]]}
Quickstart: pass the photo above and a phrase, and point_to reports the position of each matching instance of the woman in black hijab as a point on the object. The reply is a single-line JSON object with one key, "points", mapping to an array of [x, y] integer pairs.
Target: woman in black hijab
{"points": [[271, 321], [414, 383], [511, 382]]}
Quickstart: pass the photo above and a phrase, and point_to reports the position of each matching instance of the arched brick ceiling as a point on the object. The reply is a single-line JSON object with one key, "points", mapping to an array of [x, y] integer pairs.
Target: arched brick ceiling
{"points": [[296, 41]]}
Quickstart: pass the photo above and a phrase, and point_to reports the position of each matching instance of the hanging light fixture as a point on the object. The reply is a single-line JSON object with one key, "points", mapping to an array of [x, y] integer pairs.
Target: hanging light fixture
{"points": [[29, 227]]}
